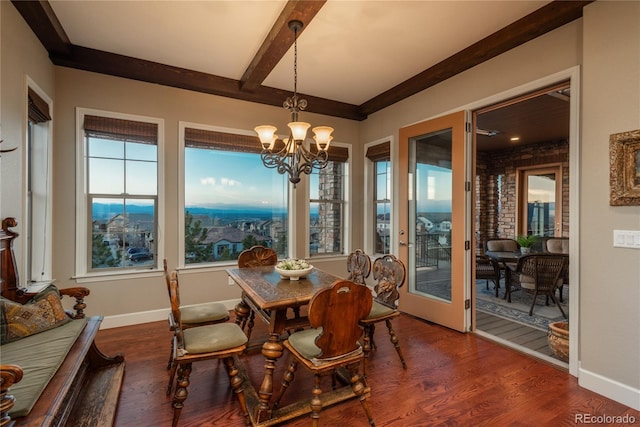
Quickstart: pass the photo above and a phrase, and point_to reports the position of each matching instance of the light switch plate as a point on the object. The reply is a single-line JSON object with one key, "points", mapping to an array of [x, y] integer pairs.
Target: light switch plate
{"points": [[626, 239]]}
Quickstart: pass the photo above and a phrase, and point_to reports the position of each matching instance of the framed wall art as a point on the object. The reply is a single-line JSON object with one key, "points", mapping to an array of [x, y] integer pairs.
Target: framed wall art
{"points": [[624, 168]]}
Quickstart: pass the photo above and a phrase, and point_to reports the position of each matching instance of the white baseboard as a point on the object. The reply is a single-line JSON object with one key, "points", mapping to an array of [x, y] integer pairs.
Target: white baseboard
{"points": [[147, 316], [609, 388]]}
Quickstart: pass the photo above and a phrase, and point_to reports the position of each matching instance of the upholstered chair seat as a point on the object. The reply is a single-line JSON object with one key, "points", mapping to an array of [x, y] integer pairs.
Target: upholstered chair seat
{"points": [[210, 312], [211, 338]]}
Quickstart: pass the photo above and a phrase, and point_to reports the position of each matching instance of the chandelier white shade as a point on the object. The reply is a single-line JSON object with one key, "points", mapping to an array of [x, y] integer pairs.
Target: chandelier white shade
{"points": [[295, 158]]}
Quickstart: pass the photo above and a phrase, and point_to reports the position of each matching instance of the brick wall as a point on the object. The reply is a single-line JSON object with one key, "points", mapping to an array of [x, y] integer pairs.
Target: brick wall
{"points": [[496, 190]]}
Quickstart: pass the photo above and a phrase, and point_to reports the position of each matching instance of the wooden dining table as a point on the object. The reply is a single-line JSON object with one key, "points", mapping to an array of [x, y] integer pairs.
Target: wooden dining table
{"points": [[271, 298]]}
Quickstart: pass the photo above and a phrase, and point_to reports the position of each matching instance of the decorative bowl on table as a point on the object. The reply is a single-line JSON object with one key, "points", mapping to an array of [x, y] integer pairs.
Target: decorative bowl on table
{"points": [[293, 269]]}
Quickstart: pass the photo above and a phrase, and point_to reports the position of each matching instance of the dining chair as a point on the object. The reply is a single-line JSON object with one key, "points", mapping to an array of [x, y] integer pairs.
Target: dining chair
{"points": [[218, 341], [255, 256], [488, 269], [559, 245], [207, 313], [498, 244], [389, 274], [358, 266], [331, 343], [541, 274]]}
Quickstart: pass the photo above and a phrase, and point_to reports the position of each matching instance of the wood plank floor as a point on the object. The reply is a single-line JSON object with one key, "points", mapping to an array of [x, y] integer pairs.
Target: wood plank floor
{"points": [[452, 379], [514, 333]]}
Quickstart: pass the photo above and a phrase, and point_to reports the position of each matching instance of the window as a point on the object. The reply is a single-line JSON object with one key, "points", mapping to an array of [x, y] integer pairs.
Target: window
{"points": [[327, 204], [38, 210], [121, 198], [380, 156], [231, 200]]}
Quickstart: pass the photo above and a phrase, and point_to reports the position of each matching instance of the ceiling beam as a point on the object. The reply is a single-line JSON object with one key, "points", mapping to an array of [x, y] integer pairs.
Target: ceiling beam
{"points": [[278, 41], [537, 23], [113, 64], [45, 25]]}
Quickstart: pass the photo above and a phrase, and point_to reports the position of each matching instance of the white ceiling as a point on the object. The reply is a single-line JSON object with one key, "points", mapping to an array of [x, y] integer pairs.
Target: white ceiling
{"points": [[352, 50]]}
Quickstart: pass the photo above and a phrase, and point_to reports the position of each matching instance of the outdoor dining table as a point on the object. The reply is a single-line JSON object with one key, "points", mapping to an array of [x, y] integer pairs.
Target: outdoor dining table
{"points": [[508, 261], [271, 297]]}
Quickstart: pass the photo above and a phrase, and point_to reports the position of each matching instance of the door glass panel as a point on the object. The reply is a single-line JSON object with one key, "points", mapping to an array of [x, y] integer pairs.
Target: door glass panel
{"points": [[541, 206], [430, 215]]}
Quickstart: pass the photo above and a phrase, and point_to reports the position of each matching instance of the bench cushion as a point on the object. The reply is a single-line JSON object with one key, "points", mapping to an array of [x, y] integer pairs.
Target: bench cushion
{"points": [[39, 356]]}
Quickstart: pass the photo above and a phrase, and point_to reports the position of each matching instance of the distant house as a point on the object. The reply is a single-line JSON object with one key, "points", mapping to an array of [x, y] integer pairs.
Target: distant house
{"points": [[230, 239]]}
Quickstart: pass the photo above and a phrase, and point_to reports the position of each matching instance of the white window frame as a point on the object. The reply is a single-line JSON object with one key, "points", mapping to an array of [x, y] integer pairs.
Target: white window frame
{"points": [[82, 273], [38, 222], [220, 265], [346, 210], [369, 222]]}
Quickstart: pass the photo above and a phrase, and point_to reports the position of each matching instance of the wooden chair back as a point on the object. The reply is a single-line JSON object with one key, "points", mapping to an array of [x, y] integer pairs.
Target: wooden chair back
{"points": [[338, 309], [358, 266], [174, 297], [257, 256], [389, 273]]}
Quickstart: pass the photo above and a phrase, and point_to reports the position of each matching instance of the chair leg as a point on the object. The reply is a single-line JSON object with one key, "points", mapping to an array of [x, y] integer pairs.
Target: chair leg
{"points": [[252, 316], [394, 340], [553, 298], [362, 391], [242, 311], [560, 292], [172, 367], [170, 362], [316, 403], [533, 302], [184, 371], [289, 375], [372, 330], [367, 351], [237, 385]]}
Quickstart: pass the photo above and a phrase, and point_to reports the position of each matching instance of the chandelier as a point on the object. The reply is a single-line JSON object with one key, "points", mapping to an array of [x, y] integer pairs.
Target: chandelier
{"points": [[294, 158]]}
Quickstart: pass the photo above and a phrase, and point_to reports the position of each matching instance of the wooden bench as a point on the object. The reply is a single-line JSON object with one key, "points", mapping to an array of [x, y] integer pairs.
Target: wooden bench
{"points": [[85, 388]]}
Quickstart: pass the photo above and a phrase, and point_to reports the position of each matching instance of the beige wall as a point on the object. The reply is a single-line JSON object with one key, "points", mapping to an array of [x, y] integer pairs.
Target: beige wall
{"points": [[607, 53], [610, 277], [90, 90], [21, 55]]}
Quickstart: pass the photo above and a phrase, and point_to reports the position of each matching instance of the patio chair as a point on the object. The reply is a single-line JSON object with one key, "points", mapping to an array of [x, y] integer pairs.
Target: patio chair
{"points": [[488, 269], [541, 274], [559, 245]]}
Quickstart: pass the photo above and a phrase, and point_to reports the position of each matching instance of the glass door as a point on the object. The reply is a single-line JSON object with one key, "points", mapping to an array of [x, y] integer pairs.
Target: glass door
{"points": [[432, 211], [540, 210]]}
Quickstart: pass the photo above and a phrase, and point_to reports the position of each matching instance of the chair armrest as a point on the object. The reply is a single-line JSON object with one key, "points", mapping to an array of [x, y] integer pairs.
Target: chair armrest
{"points": [[78, 293], [9, 375]]}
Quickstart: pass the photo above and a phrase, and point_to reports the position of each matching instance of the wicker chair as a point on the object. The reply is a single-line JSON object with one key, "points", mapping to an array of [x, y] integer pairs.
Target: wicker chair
{"points": [[559, 245], [488, 269], [541, 274]]}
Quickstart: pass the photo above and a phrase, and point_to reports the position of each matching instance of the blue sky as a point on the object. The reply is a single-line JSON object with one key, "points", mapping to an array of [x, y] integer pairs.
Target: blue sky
{"points": [[214, 178]]}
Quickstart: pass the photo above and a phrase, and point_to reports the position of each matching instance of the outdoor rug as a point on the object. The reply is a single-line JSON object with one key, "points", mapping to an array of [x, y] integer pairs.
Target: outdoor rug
{"points": [[518, 309]]}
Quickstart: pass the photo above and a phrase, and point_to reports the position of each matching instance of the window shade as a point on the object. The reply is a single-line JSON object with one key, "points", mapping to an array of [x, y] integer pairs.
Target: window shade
{"points": [[121, 129], [336, 154], [200, 138], [379, 152], [38, 108]]}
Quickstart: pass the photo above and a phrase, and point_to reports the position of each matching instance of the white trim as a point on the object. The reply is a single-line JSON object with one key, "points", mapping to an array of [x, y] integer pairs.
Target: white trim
{"points": [[82, 224], [609, 388], [140, 317], [47, 130], [369, 195]]}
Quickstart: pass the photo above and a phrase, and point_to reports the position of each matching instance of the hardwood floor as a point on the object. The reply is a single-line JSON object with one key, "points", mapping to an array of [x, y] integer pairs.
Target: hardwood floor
{"points": [[452, 379]]}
